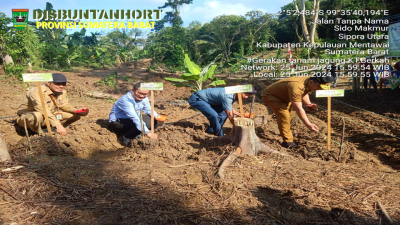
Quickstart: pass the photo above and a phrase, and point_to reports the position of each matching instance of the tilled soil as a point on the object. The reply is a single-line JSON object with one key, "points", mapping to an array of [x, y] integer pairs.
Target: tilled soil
{"points": [[87, 177]]}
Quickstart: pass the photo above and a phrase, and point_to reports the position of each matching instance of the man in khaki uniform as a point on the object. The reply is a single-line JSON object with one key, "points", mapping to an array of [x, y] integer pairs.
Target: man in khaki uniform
{"points": [[60, 113], [288, 94]]}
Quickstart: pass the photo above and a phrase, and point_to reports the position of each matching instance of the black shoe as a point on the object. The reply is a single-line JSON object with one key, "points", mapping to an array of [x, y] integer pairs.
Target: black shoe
{"points": [[124, 141], [288, 145], [209, 132]]}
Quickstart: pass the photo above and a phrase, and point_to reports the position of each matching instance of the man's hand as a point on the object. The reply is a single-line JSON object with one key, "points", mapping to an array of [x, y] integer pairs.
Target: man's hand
{"points": [[154, 136], [312, 127], [230, 116], [61, 130], [312, 107]]}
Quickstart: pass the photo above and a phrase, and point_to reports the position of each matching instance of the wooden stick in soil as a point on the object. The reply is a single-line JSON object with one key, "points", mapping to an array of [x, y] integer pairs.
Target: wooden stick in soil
{"points": [[341, 143], [141, 124], [329, 124], [240, 104], [384, 212], [27, 136], [46, 117]]}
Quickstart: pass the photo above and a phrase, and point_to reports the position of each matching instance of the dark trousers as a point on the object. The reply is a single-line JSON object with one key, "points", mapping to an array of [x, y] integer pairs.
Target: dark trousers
{"points": [[371, 78], [127, 129], [214, 113]]}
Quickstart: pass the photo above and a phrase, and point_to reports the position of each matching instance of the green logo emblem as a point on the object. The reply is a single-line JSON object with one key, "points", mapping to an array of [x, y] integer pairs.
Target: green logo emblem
{"points": [[20, 18]]}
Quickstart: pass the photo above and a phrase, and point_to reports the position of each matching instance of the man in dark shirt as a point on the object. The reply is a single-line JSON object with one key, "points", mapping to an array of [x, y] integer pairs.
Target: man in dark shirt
{"points": [[216, 105]]}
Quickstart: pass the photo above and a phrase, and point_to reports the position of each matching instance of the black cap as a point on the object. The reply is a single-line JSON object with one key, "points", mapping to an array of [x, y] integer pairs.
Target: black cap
{"points": [[58, 77], [323, 78], [253, 92]]}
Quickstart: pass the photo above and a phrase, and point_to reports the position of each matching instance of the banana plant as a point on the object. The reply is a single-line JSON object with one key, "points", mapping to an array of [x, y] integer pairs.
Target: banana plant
{"points": [[195, 76], [67, 52]]}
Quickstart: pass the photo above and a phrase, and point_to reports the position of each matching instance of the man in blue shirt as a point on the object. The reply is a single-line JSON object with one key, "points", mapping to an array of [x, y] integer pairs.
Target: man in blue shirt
{"points": [[125, 115], [216, 105]]}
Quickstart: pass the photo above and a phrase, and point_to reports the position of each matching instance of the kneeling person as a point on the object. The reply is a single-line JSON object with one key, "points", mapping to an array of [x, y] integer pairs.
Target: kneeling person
{"points": [[125, 115], [60, 113]]}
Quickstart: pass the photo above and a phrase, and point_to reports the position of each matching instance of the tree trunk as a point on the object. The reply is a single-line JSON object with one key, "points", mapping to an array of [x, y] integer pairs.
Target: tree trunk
{"points": [[302, 19], [118, 61], [7, 59], [245, 138], [4, 155], [29, 70], [314, 25]]}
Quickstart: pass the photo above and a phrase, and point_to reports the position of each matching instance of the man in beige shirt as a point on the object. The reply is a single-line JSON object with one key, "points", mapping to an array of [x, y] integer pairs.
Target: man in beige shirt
{"points": [[288, 94], [60, 113]]}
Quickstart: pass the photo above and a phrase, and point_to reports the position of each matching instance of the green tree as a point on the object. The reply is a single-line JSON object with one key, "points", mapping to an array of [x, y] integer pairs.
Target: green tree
{"points": [[259, 27], [173, 17], [7, 42], [163, 45], [222, 33], [68, 50], [52, 39], [123, 42]]}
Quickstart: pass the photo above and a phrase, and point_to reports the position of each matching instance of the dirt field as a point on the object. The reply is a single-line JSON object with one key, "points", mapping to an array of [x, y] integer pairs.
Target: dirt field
{"points": [[87, 177]]}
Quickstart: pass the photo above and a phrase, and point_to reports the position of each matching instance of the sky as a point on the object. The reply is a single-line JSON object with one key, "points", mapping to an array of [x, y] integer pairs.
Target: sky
{"points": [[200, 10]]}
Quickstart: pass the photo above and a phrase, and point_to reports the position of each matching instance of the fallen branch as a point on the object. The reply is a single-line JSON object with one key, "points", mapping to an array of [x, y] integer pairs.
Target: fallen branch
{"points": [[12, 169], [27, 136], [175, 166], [3, 189], [384, 212]]}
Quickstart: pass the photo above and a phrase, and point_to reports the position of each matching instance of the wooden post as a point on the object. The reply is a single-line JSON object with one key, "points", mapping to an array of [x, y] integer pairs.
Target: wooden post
{"points": [[46, 117], [240, 104], [329, 124], [152, 111], [141, 124]]}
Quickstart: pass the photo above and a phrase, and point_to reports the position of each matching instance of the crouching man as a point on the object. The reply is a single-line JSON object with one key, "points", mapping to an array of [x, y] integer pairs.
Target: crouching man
{"points": [[60, 113], [216, 105], [125, 117], [287, 95]]}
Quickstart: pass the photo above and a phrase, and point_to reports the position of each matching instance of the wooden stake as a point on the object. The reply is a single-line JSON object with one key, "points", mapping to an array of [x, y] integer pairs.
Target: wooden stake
{"points": [[341, 143], [141, 124], [46, 117], [384, 212], [152, 112], [27, 136], [329, 124], [240, 104]]}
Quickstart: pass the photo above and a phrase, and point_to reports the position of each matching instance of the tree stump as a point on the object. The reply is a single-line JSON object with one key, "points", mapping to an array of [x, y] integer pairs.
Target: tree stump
{"points": [[118, 61], [245, 139]]}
